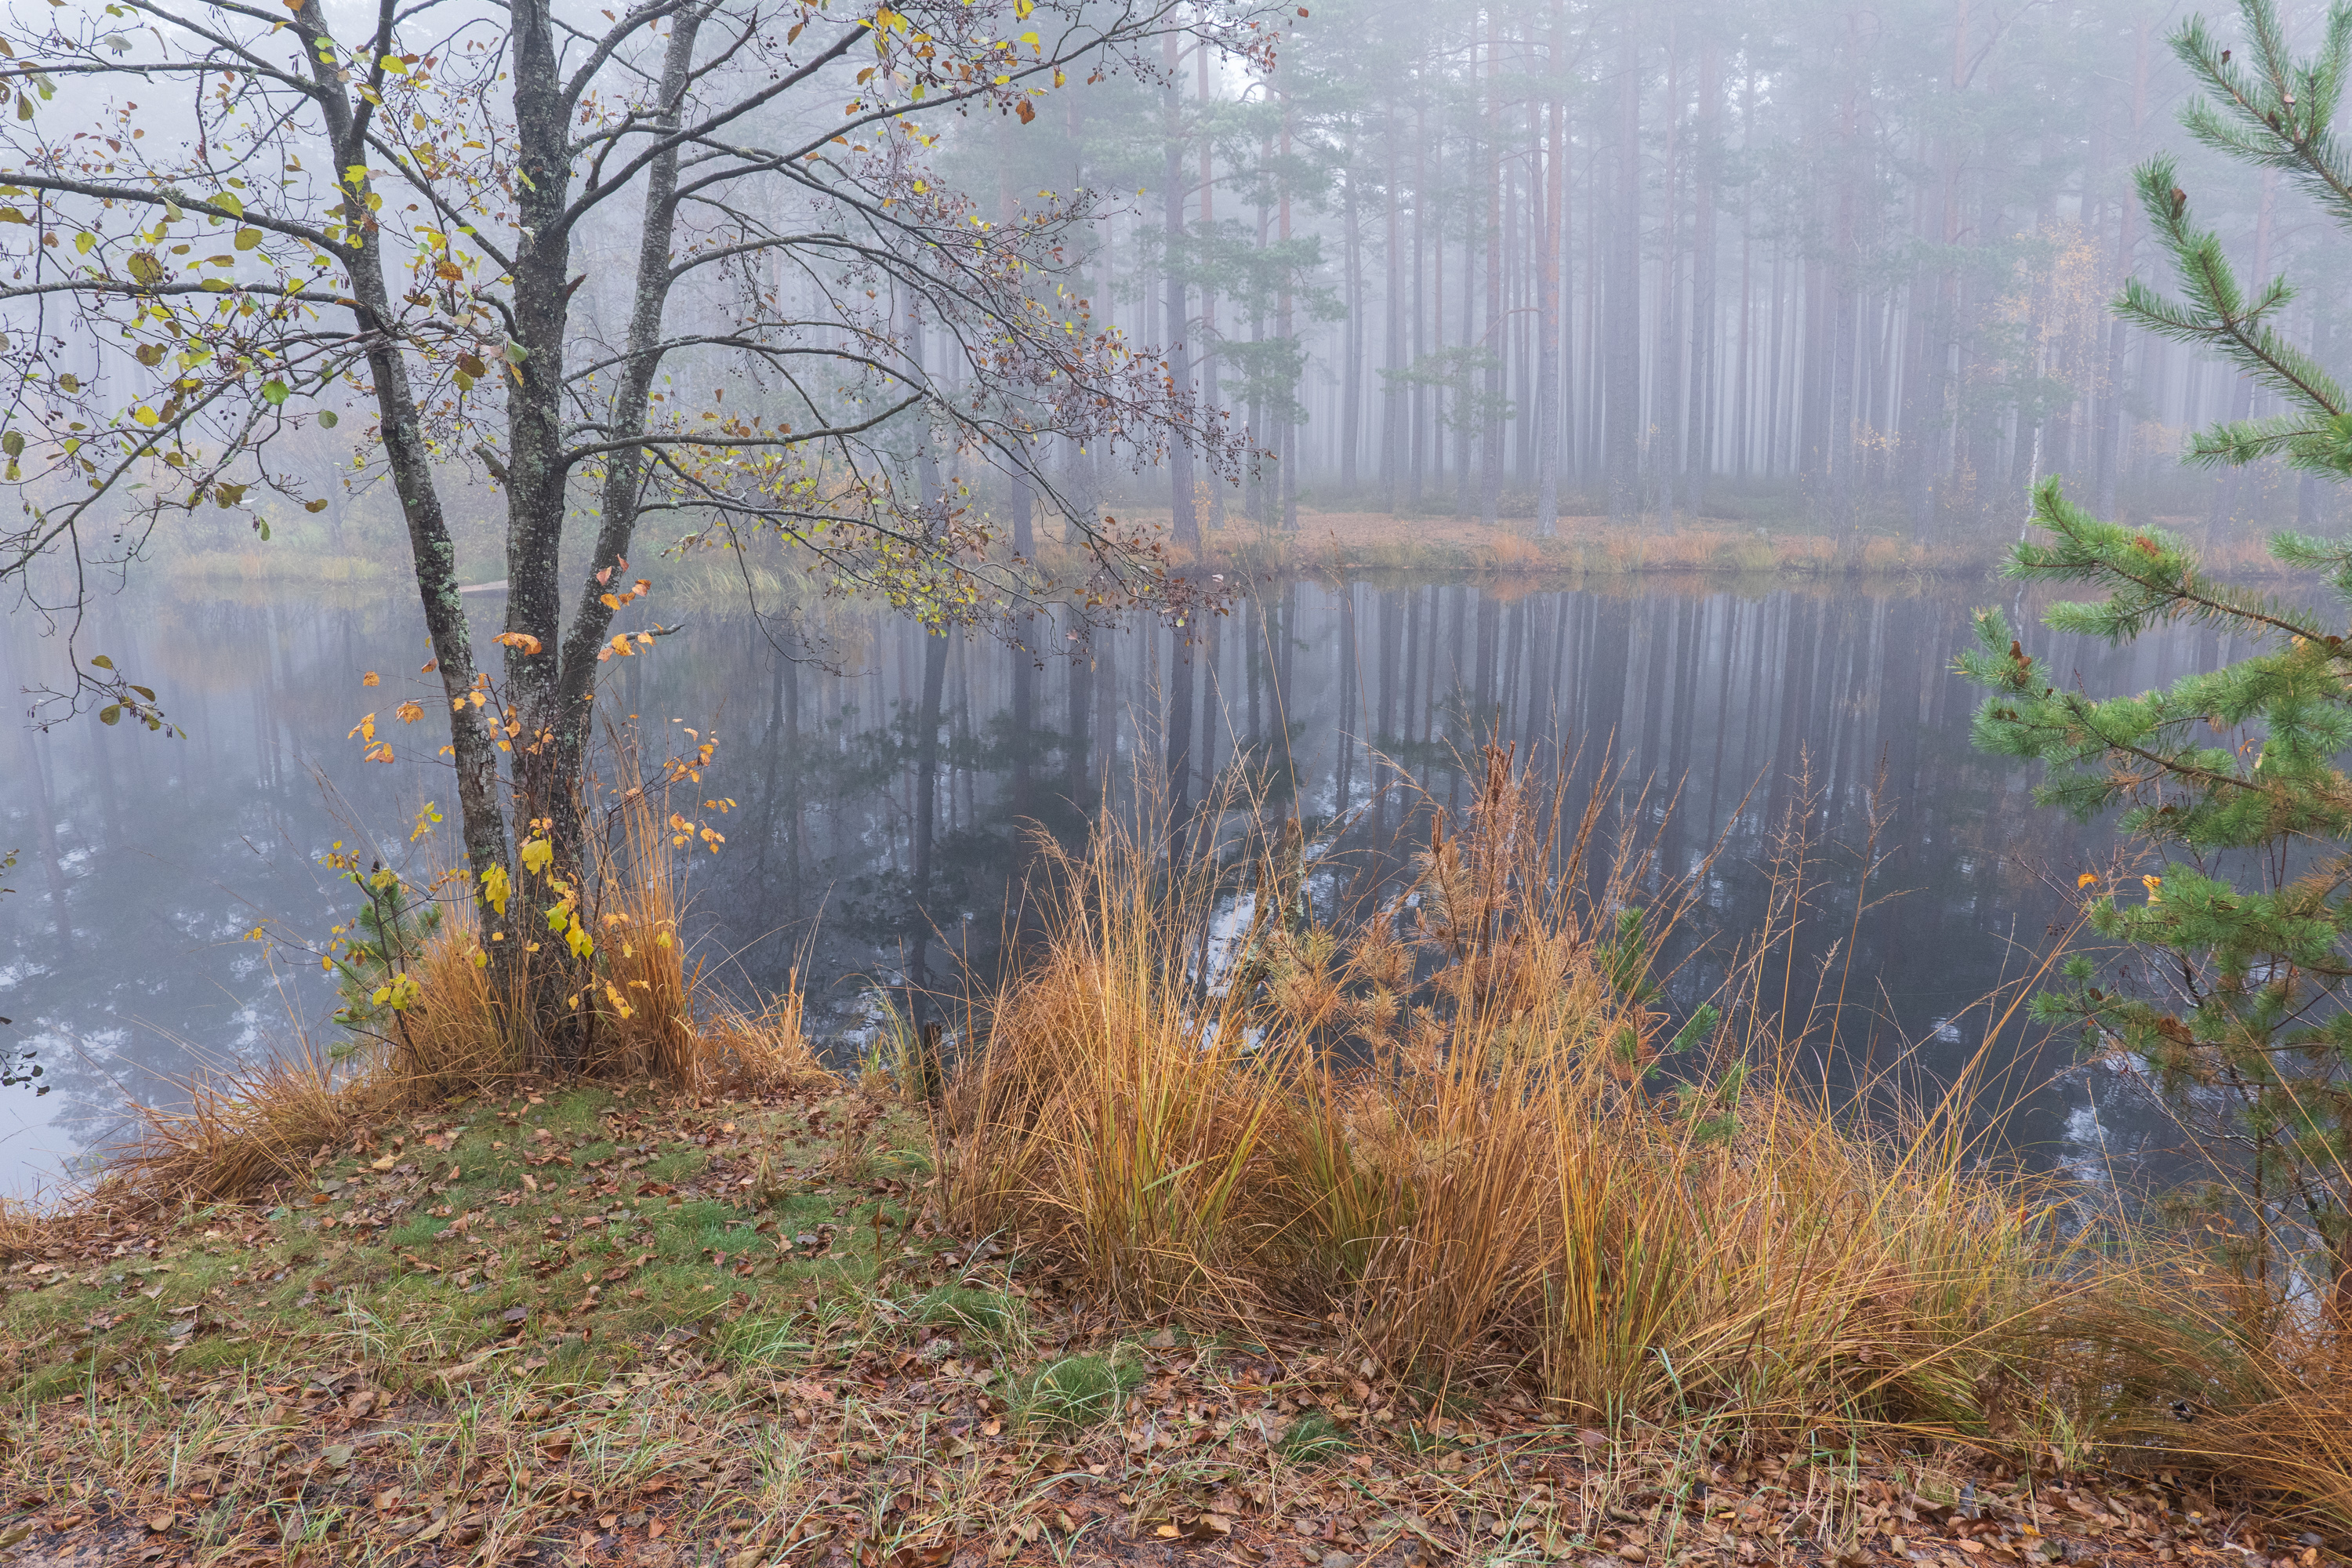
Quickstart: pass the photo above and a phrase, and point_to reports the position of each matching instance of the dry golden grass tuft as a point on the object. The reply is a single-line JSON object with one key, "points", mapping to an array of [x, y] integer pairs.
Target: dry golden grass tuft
{"points": [[646, 1025], [241, 1132], [455, 1039], [1110, 1117], [2187, 1360], [2290, 1422], [1437, 1129], [766, 1052]]}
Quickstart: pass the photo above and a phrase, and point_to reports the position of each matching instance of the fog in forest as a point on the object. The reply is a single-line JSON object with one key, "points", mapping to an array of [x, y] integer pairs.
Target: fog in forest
{"points": [[1813, 278]]}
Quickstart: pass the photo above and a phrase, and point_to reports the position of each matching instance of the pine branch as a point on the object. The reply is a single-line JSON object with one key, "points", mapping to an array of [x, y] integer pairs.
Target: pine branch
{"points": [[2218, 316], [2242, 441]]}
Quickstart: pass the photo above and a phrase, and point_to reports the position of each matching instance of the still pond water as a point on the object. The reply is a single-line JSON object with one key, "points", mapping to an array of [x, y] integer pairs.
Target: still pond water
{"points": [[144, 861]]}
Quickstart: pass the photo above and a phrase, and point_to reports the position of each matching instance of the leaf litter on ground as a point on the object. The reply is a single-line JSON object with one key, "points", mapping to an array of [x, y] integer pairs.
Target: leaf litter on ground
{"points": [[587, 1326]]}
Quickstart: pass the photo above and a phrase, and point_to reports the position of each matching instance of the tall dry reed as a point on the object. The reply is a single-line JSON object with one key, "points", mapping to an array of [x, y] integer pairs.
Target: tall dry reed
{"points": [[1116, 1114], [239, 1131], [1440, 1127]]}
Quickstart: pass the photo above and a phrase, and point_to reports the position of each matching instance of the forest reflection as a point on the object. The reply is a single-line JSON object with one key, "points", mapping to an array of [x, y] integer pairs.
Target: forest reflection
{"points": [[886, 795]]}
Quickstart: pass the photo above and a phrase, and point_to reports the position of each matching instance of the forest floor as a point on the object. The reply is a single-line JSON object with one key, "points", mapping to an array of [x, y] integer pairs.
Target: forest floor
{"points": [[582, 1326]]}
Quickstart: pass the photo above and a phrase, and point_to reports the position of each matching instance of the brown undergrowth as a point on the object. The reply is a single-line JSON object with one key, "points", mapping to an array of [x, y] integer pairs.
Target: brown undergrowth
{"points": [[1440, 1132], [1438, 1127]]}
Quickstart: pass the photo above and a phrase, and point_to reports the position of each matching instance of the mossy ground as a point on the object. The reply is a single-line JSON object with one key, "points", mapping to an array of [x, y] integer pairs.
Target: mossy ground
{"points": [[586, 1326]]}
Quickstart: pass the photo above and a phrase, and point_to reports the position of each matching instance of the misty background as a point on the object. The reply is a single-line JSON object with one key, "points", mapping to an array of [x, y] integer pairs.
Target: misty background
{"points": [[1797, 268]]}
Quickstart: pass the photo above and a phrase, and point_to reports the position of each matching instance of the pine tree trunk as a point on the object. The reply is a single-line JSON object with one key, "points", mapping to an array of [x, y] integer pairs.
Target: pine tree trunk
{"points": [[1283, 329], [1549, 239], [1392, 394], [1698, 444], [1623, 431], [1184, 519], [1490, 456], [1351, 376]]}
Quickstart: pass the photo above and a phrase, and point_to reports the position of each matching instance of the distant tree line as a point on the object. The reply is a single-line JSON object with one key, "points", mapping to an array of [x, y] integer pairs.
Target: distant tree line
{"points": [[1543, 256]]}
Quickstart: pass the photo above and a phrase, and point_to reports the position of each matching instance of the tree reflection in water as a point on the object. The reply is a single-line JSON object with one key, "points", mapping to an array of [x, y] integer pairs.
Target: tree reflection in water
{"points": [[883, 794]]}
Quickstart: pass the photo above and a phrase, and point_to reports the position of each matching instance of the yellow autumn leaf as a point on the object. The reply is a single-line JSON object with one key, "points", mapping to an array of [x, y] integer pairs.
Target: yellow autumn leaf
{"points": [[2086, 878], [494, 888], [370, 678], [536, 855]]}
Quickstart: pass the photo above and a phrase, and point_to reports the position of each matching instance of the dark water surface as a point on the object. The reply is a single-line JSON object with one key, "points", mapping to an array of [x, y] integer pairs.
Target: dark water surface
{"points": [[144, 861]]}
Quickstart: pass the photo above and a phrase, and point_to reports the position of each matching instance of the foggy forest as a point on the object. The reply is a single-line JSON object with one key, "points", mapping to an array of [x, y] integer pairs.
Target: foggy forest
{"points": [[1011, 781]]}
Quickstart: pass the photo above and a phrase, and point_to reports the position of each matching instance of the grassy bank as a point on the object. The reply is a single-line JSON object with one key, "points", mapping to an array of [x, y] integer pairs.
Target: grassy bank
{"points": [[592, 1325], [1388, 1241], [1350, 543]]}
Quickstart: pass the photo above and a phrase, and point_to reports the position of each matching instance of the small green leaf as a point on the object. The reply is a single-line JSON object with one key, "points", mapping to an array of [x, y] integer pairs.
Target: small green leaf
{"points": [[110, 714], [101, 662], [328, 419], [274, 392]]}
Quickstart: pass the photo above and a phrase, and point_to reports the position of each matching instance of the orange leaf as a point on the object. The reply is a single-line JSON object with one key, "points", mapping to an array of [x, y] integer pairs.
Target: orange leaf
{"points": [[524, 641], [370, 678]]}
